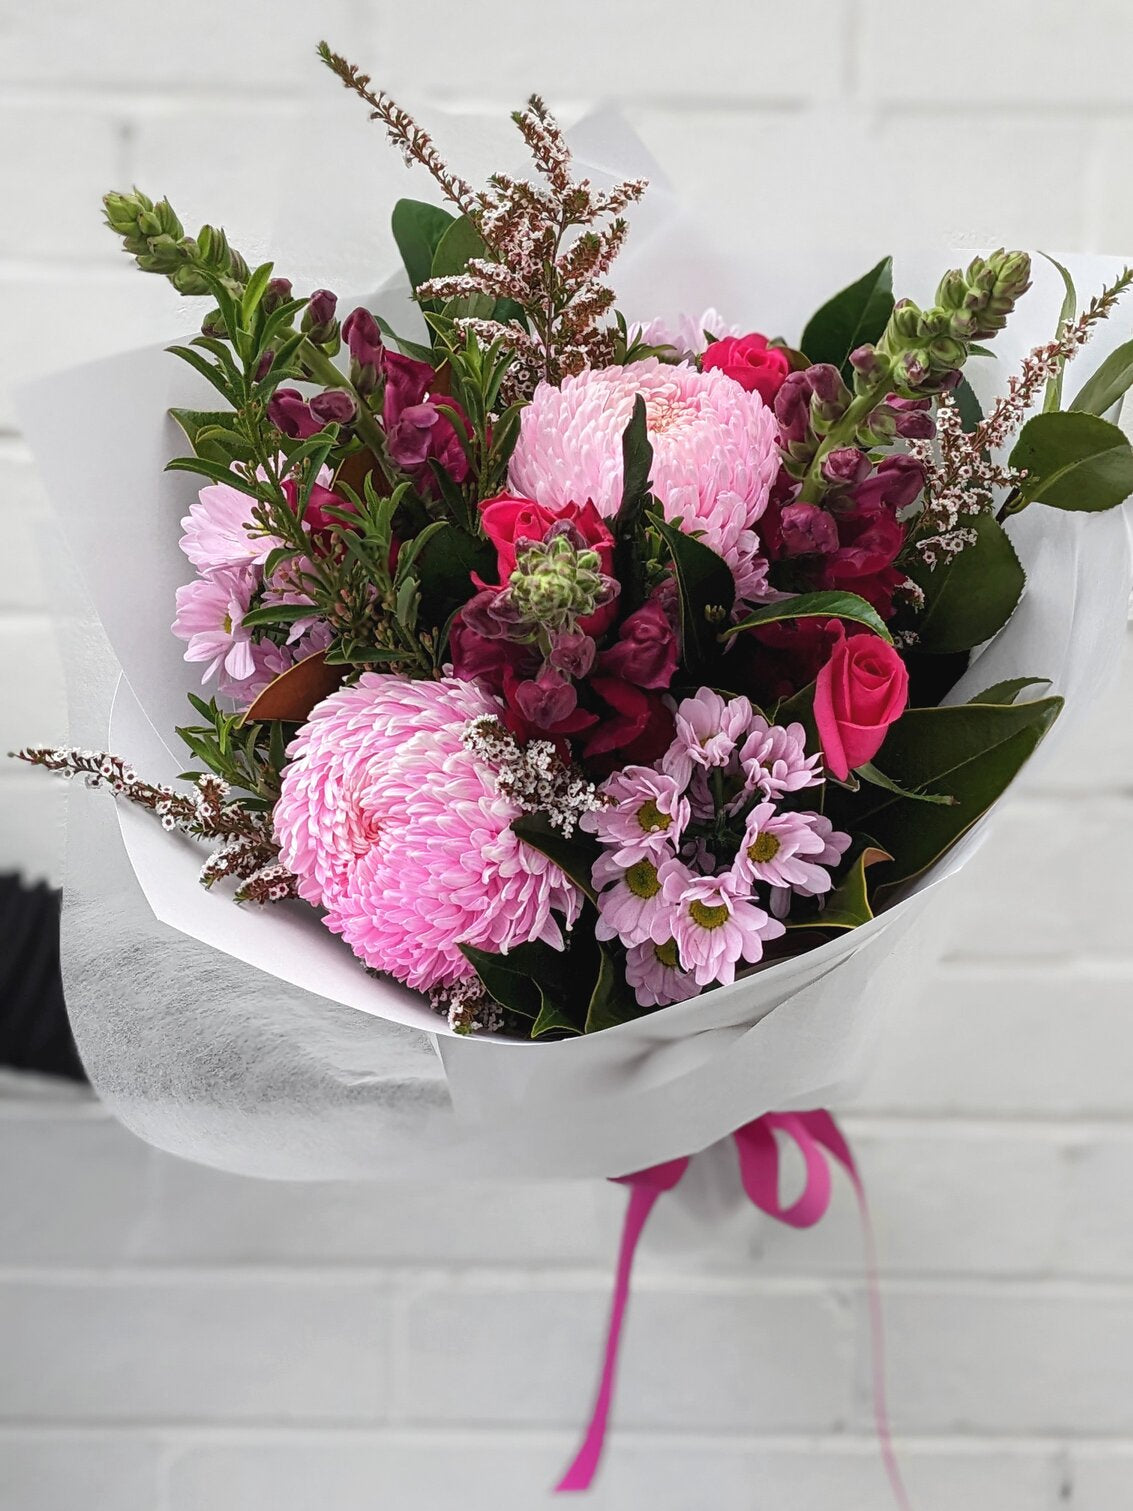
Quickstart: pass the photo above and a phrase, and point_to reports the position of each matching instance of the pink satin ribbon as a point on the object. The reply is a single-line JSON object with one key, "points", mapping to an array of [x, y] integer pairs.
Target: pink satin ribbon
{"points": [[819, 1139]]}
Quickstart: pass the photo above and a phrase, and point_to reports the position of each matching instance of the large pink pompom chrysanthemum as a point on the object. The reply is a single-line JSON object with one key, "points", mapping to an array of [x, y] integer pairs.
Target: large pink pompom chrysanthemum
{"points": [[715, 453], [400, 833]]}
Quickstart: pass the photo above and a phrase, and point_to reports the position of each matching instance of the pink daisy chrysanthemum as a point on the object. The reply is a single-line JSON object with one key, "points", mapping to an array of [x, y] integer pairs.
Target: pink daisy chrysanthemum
{"points": [[645, 814], [631, 905], [775, 761], [834, 845], [714, 923], [218, 530], [402, 835], [781, 849], [271, 660], [685, 334], [715, 453], [210, 614], [708, 730], [654, 973]]}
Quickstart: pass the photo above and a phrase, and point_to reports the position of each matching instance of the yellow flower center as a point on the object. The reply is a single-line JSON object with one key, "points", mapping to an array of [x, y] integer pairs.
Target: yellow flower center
{"points": [[641, 879], [228, 624], [765, 847], [650, 817], [707, 917], [667, 953]]}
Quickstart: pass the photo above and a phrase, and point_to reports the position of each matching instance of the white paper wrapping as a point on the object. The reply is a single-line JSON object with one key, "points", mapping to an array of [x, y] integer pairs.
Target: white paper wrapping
{"points": [[251, 1039]]}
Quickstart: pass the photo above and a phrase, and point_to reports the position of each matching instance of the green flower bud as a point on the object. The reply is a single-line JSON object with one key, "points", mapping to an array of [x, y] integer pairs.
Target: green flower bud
{"points": [[558, 581]]}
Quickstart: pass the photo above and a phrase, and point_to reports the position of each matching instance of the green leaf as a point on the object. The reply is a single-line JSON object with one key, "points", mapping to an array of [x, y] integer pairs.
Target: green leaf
{"points": [[512, 979], [969, 597], [857, 315], [971, 411], [418, 229], [870, 773], [254, 291], [847, 906], [707, 592], [1052, 399], [207, 370], [197, 425], [637, 465], [276, 613], [575, 856], [1007, 692], [1110, 382], [1073, 461], [217, 471], [459, 244], [826, 605], [445, 566], [971, 750], [553, 1019], [611, 1002]]}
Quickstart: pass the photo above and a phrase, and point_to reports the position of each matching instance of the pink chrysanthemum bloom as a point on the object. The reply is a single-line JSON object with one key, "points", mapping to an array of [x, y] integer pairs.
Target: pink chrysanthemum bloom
{"points": [[210, 611], [218, 530], [709, 729], [631, 906], [401, 834], [714, 923], [834, 845], [645, 814], [654, 973], [781, 849], [715, 453], [775, 761]]}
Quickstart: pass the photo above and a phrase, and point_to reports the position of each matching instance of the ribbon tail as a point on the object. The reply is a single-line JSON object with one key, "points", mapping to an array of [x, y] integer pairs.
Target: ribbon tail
{"points": [[877, 1349], [581, 1473]]}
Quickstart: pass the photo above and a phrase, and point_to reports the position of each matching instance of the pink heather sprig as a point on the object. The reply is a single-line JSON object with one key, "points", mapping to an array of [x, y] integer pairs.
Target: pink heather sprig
{"points": [[961, 474], [247, 853]]}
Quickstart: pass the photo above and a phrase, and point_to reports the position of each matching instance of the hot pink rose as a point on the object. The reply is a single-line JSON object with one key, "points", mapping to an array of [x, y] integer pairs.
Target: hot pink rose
{"points": [[752, 362], [861, 690]]}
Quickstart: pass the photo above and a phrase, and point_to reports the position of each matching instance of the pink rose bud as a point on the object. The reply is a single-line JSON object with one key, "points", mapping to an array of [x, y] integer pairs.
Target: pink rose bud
{"points": [[751, 361], [858, 694], [808, 530]]}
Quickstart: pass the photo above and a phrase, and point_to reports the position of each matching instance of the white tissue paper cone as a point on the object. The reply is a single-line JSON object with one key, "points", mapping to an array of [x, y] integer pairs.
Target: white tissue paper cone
{"points": [[251, 1039]]}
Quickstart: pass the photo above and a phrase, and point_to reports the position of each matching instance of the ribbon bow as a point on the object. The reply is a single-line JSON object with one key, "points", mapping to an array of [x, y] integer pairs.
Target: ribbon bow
{"points": [[819, 1139]]}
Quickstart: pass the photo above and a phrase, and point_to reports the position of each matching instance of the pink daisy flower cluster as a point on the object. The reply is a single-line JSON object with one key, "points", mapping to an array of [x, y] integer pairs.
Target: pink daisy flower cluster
{"points": [[715, 453], [395, 827], [223, 543], [704, 850]]}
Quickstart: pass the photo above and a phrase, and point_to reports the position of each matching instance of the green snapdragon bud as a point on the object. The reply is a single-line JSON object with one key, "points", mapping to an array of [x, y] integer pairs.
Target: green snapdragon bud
{"points": [[153, 235], [558, 581]]}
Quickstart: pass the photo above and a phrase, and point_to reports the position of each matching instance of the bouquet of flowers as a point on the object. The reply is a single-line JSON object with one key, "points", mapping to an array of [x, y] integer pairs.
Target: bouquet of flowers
{"points": [[571, 667]]}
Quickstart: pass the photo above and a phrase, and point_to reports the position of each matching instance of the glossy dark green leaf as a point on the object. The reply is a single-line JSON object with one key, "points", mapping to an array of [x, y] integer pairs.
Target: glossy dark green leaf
{"points": [[707, 592], [418, 228], [1008, 691], [848, 905], [972, 751], [855, 316], [553, 1019], [971, 411], [276, 613], [825, 605], [969, 597], [1110, 382], [1073, 460], [612, 1001], [513, 979], [197, 425], [877, 778]]}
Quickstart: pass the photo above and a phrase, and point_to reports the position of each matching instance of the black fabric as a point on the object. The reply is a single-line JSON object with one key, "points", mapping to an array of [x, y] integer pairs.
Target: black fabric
{"points": [[34, 1032]]}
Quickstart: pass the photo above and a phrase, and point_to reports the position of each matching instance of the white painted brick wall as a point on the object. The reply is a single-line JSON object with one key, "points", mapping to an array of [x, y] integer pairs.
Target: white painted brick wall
{"points": [[176, 1340]]}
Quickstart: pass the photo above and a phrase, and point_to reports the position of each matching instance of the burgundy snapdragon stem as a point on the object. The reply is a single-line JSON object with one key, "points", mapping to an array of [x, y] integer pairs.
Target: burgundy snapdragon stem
{"points": [[819, 1139]]}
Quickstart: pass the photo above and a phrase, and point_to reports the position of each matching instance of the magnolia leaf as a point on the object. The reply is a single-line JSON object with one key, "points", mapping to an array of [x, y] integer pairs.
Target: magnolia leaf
{"points": [[971, 411], [847, 906], [969, 597], [870, 773], [1108, 384], [856, 316], [611, 1002], [826, 605], [418, 228], [971, 750], [1007, 692], [1073, 461]]}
